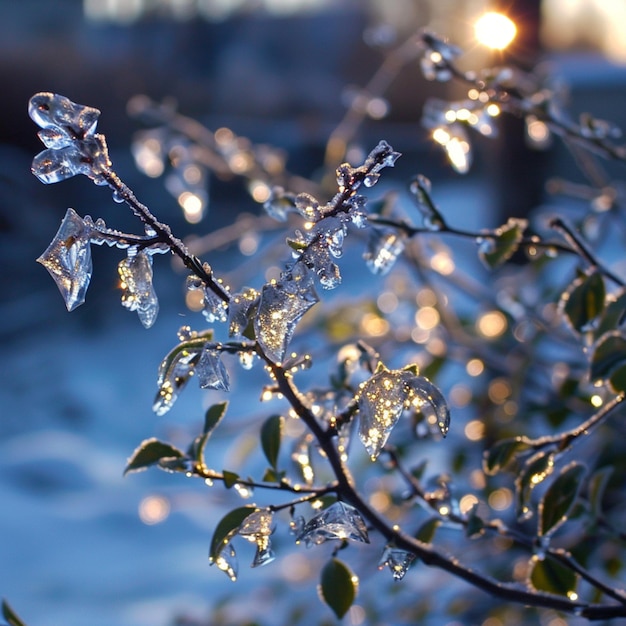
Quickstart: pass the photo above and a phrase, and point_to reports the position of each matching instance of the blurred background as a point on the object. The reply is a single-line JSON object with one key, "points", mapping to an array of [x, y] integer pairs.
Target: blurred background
{"points": [[79, 545]]}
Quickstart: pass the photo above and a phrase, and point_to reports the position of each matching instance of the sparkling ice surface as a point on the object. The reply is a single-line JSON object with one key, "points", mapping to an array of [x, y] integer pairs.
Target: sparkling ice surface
{"points": [[338, 521], [137, 292], [211, 372], [68, 259]]}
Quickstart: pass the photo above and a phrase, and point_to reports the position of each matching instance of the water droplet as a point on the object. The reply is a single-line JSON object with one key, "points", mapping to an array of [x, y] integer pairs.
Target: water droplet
{"points": [[118, 197], [371, 179]]}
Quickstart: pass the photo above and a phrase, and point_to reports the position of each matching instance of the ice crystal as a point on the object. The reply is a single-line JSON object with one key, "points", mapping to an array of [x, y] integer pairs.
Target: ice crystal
{"points": [[136, 282], [257, 528], [210, 370], [308, 207], [174, 373], [386, 395], [239, 311], [383, 248], [282, 305], [68, 132], [398, 561], [279, 204], [68, 259], [227, 561], [338, 521], [213, 308]]}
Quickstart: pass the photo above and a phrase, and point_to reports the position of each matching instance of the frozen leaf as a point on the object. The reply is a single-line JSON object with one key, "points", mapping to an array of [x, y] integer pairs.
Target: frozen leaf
{"points": [[213, 308], [608, 360], [386, 395], [597, 487], [584, 301], [226, 560], [227, 528], [318, 258], [150, 452], [551, 576], [279, 204], [210, 370], [420, 189], [536, 469], [281, 307], [502, 453], [557, 502], [239, 311], [68, 132], [339, 521], [68, 259], [308, 207], [56, 112], [383, 248], [136, 283], [257, 525], [175, 371], [398, 561], [264, 554], [338, 587], [500, 246], [271, 433]]}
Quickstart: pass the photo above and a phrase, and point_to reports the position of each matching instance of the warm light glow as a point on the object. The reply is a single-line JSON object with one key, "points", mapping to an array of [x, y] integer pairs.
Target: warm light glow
{"points": [[495, 30], [192, 205], [475, 367], [153, 509], [500, 499], [474, 430], [467, 502], [491, 324]]}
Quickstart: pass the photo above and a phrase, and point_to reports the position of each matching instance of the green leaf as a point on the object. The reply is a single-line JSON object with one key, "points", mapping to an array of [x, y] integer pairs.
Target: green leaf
{"points": [[214, 416], [596, 488], [609, 358], [583, 301], [552, 577], [536, 469], [149, 452], [502, 453], [475, 524], [426, 531], [10, 616], [613, 316], [271, 433], [272, 476], [500, 245], [558, 500], [227, 529], [338, 587], [230, 478], [420, 190]]}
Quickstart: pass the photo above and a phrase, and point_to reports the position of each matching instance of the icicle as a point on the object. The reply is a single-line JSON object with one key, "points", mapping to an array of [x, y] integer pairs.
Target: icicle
{"points": [[136, 282]]}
